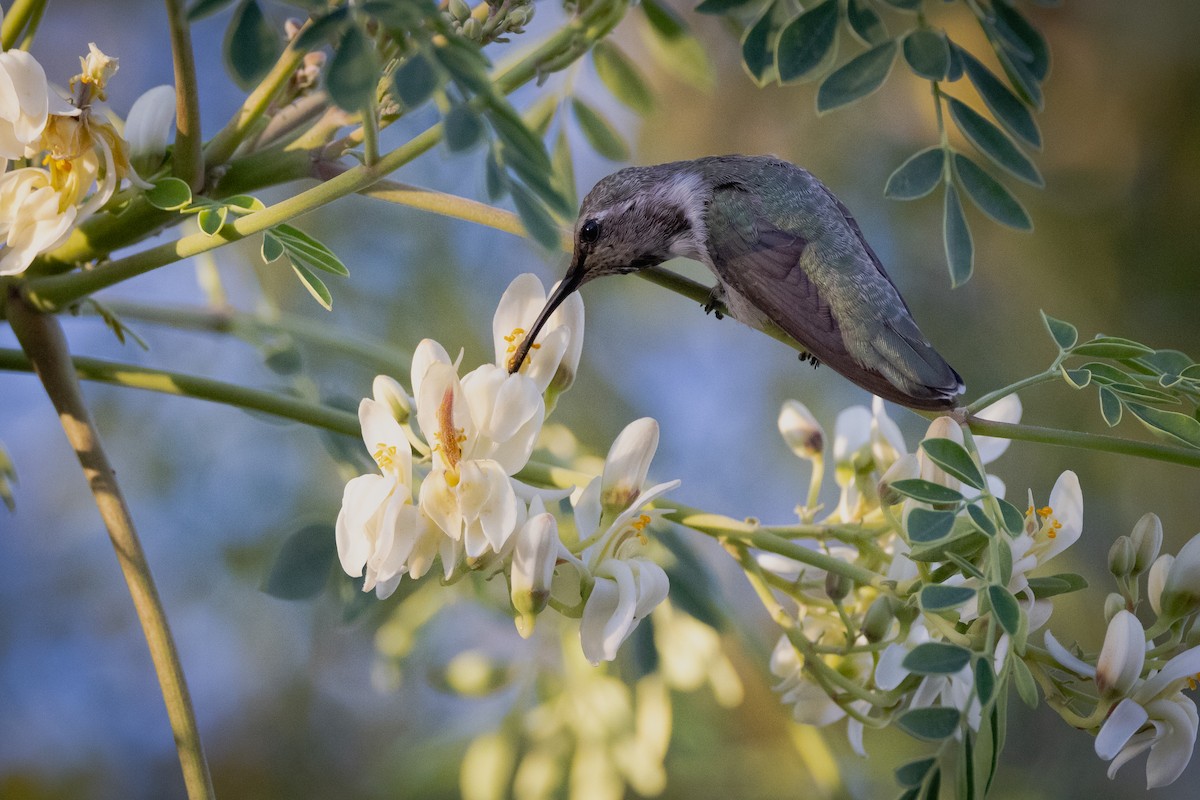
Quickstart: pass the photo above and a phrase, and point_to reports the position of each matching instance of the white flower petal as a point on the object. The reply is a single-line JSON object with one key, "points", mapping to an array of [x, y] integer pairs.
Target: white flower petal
{"points": [[1175, 722], [1121, 724], [608, 616], [1123, 654], [428, 352], [1066, 498], [1006, 409], [628, 462], [1178, 669], [148, 127], [1068, 659], [652, 585], [851, 433]]}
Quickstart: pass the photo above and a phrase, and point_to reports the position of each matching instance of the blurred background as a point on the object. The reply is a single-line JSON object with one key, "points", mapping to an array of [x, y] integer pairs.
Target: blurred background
{"points": [[296, 701]]}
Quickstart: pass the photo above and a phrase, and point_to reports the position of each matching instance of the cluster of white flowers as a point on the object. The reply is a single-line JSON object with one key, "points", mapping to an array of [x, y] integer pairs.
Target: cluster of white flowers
{"points": [[66, 149], [1139, 676], [863, 635], [473, 434]]}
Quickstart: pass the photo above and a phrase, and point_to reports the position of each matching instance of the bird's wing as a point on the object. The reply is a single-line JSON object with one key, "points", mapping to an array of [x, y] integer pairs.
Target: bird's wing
{"points": [[763, 264]]}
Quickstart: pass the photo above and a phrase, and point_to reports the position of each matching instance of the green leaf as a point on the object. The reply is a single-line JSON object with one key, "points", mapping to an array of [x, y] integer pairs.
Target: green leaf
{"points": [[415, 80], [463, 128], [537, 221], [1014, 520], [1027, 85], [758, 57], [1026, 685], [465, 64], [1054, 585], [353, 72], [905, 5], [211, 219], [927, 53], [720, 6], [993, 143], [315, 286], [324, 28], [1110, 406], [805, 42], [599, 133], [1002, 556], [936, 658], [1005, 106], [169, 194], [925, 525], [1015, 28], [954, 459], [1075, 378], [204, 8], [981, 520], [1005, 607], [622, 78], [1106, 373], [917, 176], [985, 681], [926, 491], [1144, 393], [937, 597], [252, 45], [856, 78], [243, 203], [930, 724], [299, 245], [865, 22], [1111, 347], [679, 52], [272, 248], [1179, 426], [965, 566], [913, 773], [564, 166], [955, 70], [1064, 333], [964, 774], [302, 567], [956, 237], [990, 195]]}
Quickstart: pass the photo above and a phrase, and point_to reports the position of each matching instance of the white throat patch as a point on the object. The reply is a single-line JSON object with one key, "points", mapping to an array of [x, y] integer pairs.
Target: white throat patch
{"points": [[687, 192]]}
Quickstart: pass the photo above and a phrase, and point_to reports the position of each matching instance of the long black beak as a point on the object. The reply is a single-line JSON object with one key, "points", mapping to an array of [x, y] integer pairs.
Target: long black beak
{"points": [[569, 283]]}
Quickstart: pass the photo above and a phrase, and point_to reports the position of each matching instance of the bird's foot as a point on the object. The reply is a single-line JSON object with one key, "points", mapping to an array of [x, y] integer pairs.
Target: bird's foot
{"points": [[715, 303], [806, 356]]}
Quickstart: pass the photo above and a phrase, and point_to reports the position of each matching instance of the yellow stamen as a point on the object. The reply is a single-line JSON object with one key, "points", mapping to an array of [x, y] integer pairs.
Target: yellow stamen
{"points": [[1045, 511], [385, 455], [512, 341]]}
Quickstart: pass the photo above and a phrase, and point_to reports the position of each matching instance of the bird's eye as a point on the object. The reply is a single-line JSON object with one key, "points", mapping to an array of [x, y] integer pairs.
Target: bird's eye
{"points": [[590, 232]]}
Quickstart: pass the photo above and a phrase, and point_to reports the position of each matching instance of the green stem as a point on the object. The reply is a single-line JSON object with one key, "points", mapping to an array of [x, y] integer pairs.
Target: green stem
{"points": [[178, 383], [985, 401], [227, 140], [1188, 457], [20, 14], [42, 338], [31, 27], [187, 160]]}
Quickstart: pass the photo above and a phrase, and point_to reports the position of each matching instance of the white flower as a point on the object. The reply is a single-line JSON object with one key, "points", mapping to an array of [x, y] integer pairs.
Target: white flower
{"points": [[148, 128], [535, 555], [1006, 409], [811, 704], [34, 217], [623, 593], [1156, 579], [1181, 590], [481, 430], [554, 357], [379, 531], [96, 68], [26, 101], [1122, 656], [801, 431]]}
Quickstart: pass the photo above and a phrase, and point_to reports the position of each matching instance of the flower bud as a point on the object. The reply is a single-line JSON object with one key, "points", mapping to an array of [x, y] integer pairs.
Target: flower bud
{"points": [[1181, 592], [148, 128], [1147, 539], [903, 468], [1122, 656], [1121, 557], [877, 622], [837, 586], [534, 558], [96, 68], [1156, 579], [472, 29], [801, 431], [459, 10], [388, 391], [1115, 602]]}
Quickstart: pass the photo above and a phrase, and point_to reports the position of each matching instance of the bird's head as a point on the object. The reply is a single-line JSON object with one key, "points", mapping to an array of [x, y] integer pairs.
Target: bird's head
{"points": [[635, 218]]}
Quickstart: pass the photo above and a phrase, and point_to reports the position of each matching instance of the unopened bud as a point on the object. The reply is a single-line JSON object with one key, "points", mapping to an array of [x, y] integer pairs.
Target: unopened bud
{"points": [[518, 17], [1181, 592], [1122, 656], [534, 558], [837, 586], [1156, 579], [903, 468], [472, 29], [1147, 539], [877, 622], [801, 431], [1113, 604], [459, 10], [388, 391], [291, 26], [1121, 557]]}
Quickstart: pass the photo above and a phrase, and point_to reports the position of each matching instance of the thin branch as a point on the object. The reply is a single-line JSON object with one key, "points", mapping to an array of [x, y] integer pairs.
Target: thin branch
{"points": [[187, 159], [1188, 457], [42, 338], [21, 14], [223, 145]]}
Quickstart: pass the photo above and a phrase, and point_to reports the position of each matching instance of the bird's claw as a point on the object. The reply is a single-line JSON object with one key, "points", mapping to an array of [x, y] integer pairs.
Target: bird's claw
{"points": [[807, 356], [716, 301]]}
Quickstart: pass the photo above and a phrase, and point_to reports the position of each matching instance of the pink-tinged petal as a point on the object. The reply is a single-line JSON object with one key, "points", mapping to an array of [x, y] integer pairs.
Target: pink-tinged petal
{"points": [[1068, 659], [1175, 723], [1121, 724], [428, 352], [1178, 669], [652, 585], [1066, 498], [628, 463], [1122, 656], [1006, 409], [608, 617]]}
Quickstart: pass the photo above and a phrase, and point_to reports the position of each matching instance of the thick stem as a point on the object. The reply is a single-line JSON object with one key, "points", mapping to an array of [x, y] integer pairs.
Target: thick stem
{"points": [[223, 145], [1188, 457], [20, 14], [42, 338], [187, 160]]}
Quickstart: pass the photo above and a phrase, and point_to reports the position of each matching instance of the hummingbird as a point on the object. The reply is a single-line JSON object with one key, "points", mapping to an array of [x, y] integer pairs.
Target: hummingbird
{"points": [[785, 252]]}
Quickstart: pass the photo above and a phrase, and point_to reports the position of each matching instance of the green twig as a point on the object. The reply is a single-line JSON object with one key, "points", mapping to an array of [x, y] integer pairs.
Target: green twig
{"points": [[1049, 375], [187, 160], [21, 14], [42, 338], [227, 140], [1188, 457]]}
